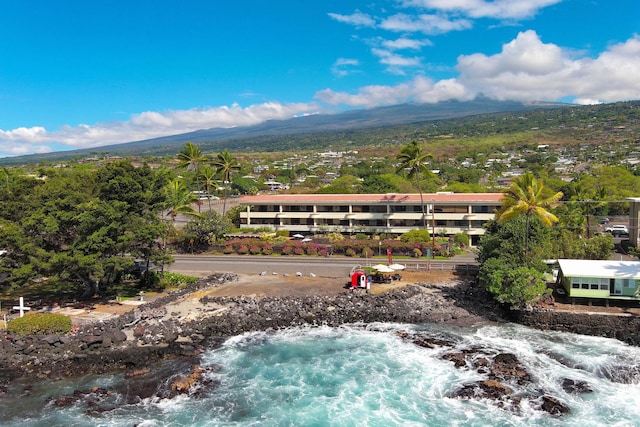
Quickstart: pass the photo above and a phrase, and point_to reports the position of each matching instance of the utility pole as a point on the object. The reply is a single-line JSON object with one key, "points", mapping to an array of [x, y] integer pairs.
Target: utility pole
{"points": [[433, 228]]}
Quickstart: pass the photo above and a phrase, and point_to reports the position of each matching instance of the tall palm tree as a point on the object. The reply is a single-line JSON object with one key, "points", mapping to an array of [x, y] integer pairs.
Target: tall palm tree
{"points": [[208, 175], [413, 159], [178, 200], [190, 158], [528, 196], [225, 164]]}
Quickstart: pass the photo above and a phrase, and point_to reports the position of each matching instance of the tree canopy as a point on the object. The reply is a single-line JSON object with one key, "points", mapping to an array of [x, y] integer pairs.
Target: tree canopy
{"points": [[81, 227]]}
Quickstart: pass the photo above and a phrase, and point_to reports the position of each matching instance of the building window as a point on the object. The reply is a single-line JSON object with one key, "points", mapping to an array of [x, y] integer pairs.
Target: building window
{"points": [[483, 209], [359, 208], [453, 209], [604, 284]]}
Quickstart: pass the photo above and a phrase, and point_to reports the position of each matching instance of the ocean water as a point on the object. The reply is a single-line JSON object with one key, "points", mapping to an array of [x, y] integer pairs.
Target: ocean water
{"points": [[361, 375]]}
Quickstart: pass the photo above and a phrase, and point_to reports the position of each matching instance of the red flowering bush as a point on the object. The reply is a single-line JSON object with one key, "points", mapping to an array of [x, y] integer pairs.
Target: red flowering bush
{"points": [[286, 250]]}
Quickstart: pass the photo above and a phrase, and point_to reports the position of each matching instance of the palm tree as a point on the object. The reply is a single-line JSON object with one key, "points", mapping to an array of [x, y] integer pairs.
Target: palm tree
{"points": [[189, 158], [412, 157], [528, 196], [208, 176], [179, 200], [225, 164]]}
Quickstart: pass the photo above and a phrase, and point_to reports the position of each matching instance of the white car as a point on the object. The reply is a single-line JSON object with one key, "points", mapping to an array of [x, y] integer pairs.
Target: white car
{"points": [[617, 229]]}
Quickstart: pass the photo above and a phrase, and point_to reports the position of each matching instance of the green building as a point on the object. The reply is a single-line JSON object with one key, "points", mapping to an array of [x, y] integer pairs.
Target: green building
{"points": [[600, 279]]}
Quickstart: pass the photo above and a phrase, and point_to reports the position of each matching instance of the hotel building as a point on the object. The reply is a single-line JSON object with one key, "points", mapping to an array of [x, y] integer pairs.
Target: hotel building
{"points": [[446, 214]]}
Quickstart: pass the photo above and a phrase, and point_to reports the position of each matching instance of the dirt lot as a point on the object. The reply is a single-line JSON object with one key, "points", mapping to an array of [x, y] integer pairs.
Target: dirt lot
{"points": [[279, 285]]}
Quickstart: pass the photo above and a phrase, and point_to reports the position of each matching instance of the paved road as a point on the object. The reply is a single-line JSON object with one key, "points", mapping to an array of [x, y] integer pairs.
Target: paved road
{"points": [[321, 267]]}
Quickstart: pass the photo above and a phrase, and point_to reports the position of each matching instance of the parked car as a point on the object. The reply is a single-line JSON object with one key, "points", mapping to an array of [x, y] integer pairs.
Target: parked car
{"points": [[604, 220], [617, 229]]}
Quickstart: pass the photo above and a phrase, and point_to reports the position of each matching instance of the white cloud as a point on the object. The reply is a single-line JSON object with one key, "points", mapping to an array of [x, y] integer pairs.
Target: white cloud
{"points": [[420, 89], [33, 134], [345, 66], [405, 43], [394, 62], [357, 19], [427, 24], [499, 9], [526, 69], [146, 125]]}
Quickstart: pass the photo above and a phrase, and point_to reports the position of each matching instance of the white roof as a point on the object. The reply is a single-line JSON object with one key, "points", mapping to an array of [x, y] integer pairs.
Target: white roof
{"points": [[597, 268]]}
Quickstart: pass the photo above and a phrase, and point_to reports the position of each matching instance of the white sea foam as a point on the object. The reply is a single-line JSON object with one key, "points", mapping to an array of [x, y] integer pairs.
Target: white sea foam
{"points": [[368, 375]]}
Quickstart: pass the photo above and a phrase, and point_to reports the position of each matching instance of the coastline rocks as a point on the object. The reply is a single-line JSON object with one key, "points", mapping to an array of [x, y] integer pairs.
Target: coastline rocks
{"points": [[623, 328], [151, 332], [506, 384]]}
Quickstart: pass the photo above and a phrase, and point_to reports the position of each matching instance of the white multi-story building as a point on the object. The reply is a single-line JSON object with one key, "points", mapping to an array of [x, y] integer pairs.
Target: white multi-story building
{"points": [[446, 214]]}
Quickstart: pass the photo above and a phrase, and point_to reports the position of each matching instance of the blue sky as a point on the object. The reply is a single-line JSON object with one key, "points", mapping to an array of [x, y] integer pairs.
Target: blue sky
{"points": [[81, 74]]}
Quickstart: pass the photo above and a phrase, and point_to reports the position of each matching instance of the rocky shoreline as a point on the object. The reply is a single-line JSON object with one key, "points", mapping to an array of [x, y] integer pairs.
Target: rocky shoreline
{"points": [[162, 329], [182, 324], [157, 330]]}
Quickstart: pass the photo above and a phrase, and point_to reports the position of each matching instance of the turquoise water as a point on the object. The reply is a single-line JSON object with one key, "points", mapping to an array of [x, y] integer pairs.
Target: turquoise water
{"points": [[364, 376]]}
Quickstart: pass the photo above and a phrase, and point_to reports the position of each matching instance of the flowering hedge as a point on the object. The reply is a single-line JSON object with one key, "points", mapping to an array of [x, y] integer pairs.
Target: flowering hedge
{"points": [[349, 247]]}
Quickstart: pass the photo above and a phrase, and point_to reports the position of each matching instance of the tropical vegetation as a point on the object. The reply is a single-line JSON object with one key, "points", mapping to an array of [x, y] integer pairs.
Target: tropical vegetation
{"points": [[79, 226]]}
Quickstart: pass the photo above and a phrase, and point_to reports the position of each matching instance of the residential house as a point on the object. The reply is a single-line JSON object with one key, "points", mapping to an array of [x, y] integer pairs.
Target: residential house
{"points": [[596, 279]]}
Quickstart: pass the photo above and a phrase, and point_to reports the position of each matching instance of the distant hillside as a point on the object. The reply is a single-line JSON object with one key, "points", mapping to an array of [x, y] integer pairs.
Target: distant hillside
{"points": [[352, 127]]}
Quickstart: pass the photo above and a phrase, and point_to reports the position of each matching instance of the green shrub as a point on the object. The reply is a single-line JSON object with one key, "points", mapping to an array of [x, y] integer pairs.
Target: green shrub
{"points": [[350, 252], [176, 280], [461, 239], [335, 237], [416, 236], [40, 324]]}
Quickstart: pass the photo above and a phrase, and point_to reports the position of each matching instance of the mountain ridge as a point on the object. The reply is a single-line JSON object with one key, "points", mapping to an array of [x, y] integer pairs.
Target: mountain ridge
{"points": [[352, 120]]}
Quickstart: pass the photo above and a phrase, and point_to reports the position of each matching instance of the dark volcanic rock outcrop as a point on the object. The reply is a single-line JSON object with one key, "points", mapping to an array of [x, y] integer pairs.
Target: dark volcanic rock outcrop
{"points": [[151, 333]]}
